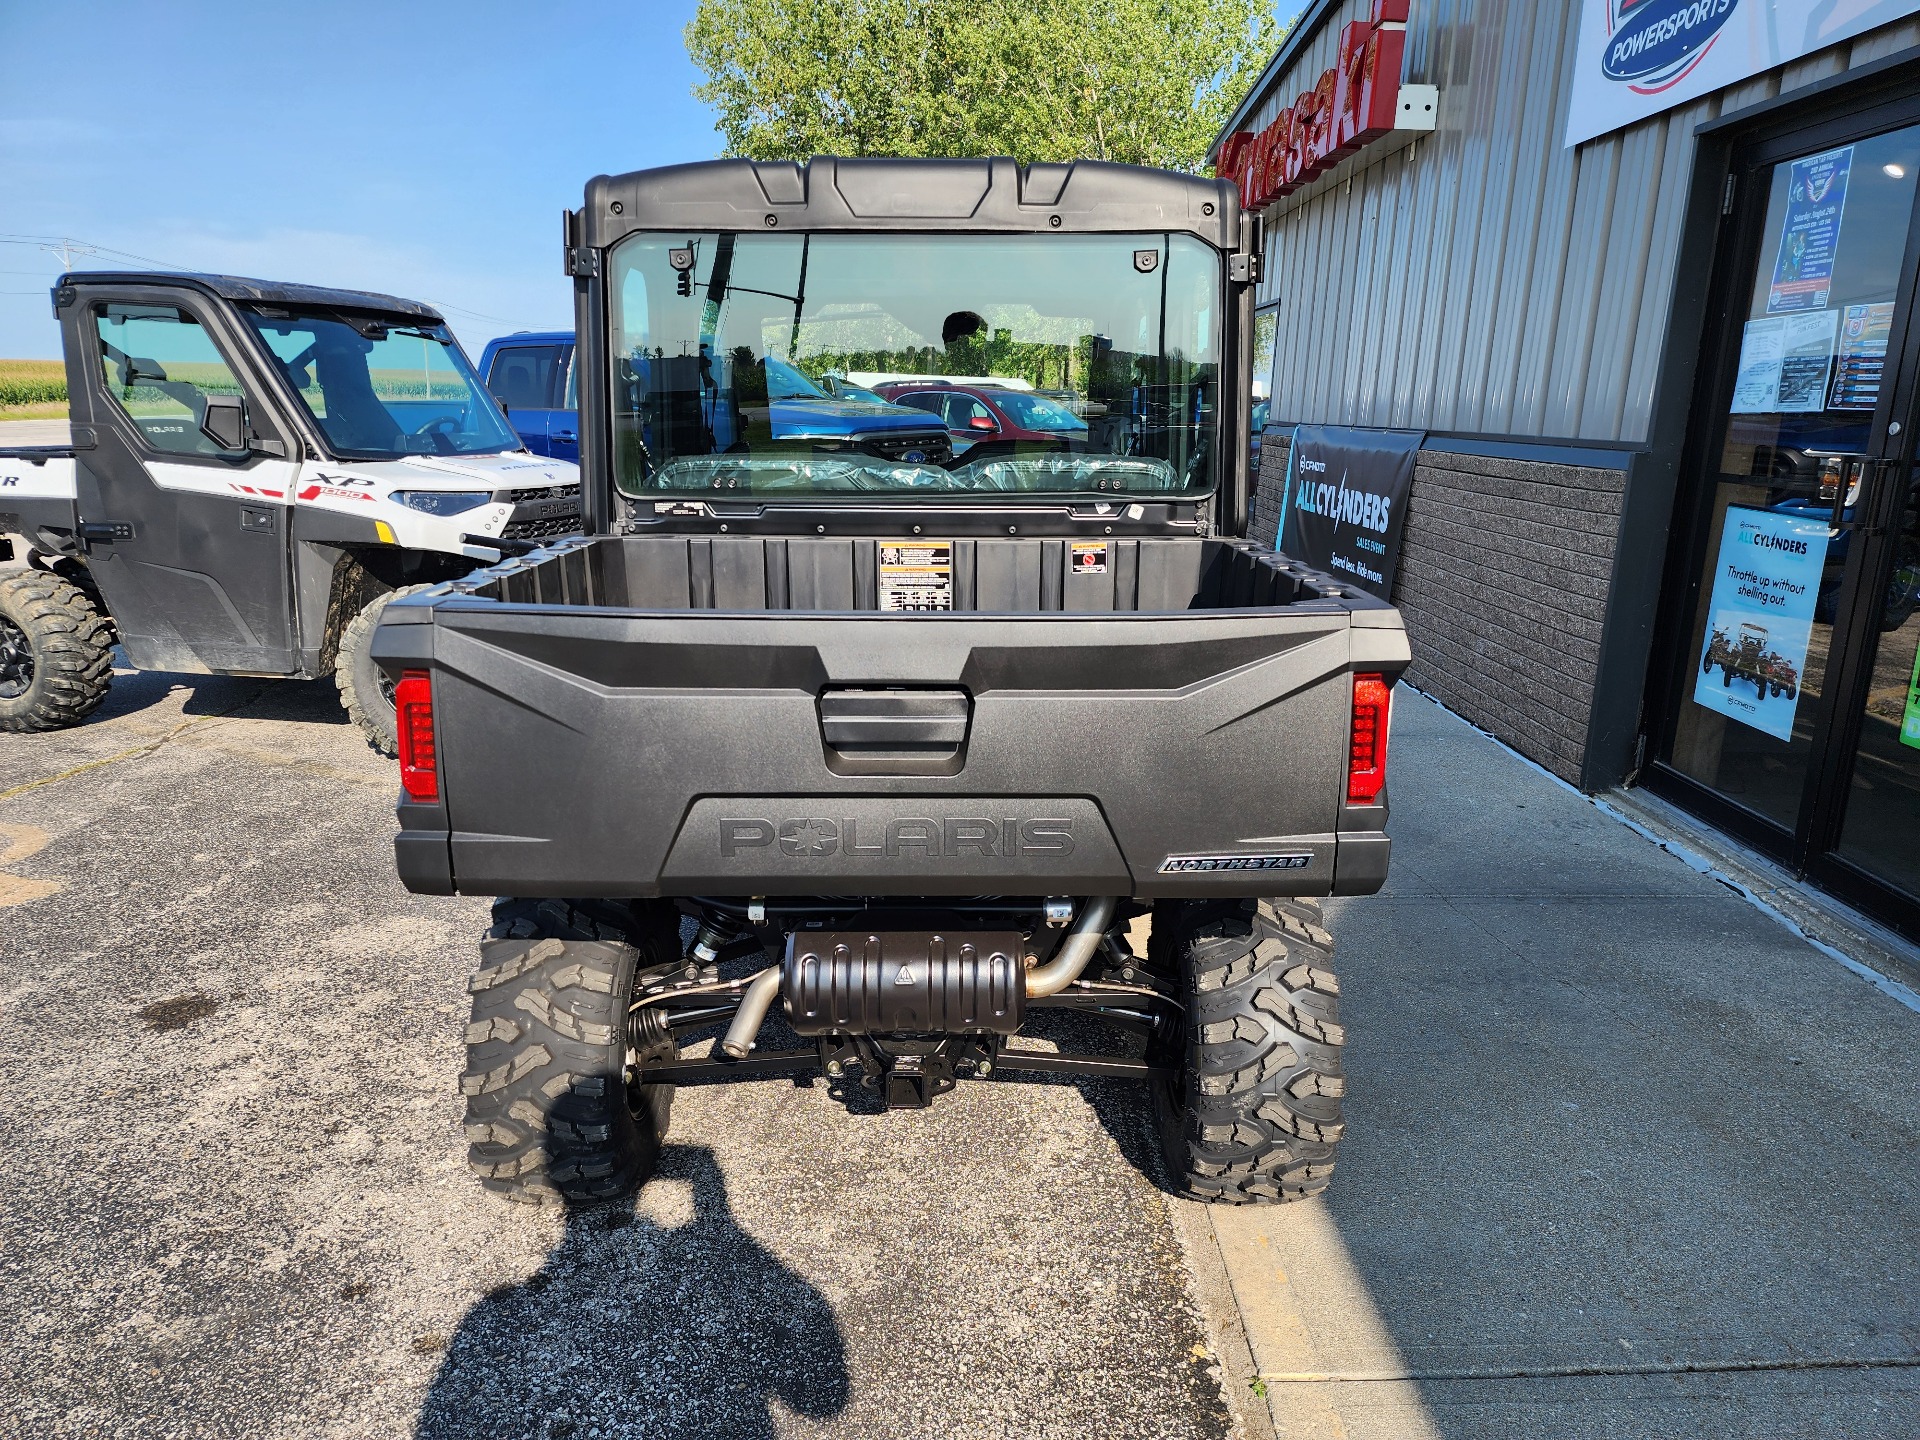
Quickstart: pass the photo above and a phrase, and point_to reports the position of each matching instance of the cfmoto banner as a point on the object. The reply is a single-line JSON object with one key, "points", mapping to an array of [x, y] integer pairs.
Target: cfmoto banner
{"points": [[1639, 57], [1760, 617], [1347, 501]]}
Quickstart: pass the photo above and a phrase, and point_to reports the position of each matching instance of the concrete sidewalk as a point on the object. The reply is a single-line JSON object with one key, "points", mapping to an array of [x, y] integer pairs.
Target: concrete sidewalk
{"points": [[1625, 1156]]}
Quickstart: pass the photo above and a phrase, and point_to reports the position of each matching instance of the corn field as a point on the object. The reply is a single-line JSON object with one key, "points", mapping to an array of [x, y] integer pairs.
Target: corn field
{"points": [[32, 382]]}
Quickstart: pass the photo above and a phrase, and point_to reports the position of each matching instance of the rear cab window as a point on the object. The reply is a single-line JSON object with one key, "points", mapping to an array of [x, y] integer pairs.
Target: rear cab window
{"points": [[710, 331]]}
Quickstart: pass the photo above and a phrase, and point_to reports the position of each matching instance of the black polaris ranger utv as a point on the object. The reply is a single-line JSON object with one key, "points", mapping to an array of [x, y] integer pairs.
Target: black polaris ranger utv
{"points": [[907, 738]]}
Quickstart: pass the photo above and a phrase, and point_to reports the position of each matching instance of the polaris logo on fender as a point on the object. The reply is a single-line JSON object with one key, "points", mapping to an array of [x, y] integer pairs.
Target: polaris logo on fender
{"points": [[912, 837], [1657, 42]]}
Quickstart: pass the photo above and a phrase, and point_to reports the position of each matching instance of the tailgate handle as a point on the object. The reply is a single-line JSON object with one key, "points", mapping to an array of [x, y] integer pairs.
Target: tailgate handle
{"points": [[895, 719]]}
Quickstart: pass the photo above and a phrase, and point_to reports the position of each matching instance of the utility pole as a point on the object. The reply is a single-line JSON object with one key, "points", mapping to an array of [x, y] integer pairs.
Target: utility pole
{"points": [[68, 249]]}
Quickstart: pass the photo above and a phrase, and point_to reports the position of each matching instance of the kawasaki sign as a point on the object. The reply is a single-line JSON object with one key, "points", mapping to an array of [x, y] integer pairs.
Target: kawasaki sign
{"points": [[1639, 57], [1353, 104]]}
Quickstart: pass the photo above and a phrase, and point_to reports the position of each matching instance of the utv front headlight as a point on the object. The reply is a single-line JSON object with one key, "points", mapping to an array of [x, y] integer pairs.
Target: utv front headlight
{"points": [[442, 502]]}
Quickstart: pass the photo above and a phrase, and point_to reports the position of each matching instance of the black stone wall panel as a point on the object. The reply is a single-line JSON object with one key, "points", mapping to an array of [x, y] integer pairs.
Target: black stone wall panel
{"points": [[1504, 581]]}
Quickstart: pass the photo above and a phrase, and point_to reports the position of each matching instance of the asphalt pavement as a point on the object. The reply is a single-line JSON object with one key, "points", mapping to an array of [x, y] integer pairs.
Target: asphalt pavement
{"points": [[236, 1202], [1626, 1157], [34, 432]]}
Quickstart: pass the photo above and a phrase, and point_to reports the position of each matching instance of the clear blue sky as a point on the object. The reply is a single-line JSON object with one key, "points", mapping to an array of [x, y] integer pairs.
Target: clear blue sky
{"points": [[423, 149], [420, 147]]}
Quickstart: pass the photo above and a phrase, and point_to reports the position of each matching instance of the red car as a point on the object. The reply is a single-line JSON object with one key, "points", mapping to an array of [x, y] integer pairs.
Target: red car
{"points": [[988, 412]]}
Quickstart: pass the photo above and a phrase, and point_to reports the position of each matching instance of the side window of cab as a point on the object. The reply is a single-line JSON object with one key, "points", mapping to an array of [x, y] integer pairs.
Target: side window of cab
{"points": [[159, 365]]}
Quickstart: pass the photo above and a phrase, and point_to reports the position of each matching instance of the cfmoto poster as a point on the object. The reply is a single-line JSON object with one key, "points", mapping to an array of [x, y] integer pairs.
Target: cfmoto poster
{"points": [[1810, 231], [1760, 618]]}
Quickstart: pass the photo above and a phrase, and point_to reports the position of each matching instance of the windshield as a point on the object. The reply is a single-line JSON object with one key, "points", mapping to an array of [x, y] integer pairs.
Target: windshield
{"points": [[380, 388], [786, 383], [737, 360], [1036, 412]]}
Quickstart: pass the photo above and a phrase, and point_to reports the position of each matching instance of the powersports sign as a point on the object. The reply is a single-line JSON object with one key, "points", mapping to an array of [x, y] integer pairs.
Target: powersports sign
{"points": [[1640, 57], [1347, 502]]}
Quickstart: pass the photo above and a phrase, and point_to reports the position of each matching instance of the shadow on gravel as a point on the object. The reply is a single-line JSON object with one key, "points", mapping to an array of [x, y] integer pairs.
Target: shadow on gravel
{"points": [[134, 691], [1124, 1108], [661, 1319]]}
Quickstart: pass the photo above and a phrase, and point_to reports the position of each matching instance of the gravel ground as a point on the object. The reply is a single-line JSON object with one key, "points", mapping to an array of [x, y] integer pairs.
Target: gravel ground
{"points": [[236, 1202]]}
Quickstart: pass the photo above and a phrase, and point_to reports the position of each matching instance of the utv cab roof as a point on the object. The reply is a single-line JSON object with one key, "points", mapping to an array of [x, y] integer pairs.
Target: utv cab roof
{"points": [[265, 292], [828, 193]]}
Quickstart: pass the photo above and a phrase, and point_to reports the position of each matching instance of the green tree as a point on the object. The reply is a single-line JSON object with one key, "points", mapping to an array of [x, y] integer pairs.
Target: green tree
{"points": [[1145, 82]]}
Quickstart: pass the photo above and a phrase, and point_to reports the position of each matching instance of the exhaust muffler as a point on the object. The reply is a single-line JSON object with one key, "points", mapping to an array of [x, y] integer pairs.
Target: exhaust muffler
{"points": [[912, 982]]}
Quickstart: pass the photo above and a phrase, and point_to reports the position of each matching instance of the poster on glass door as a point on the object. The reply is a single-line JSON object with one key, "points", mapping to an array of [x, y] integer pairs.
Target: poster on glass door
{"points": [[1760, 618], [1784, 364], [1810, 231]]}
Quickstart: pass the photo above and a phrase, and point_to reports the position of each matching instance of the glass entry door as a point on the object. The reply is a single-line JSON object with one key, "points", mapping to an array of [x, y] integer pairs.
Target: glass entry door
{"points": [[1793, 717], [1880, 829]]}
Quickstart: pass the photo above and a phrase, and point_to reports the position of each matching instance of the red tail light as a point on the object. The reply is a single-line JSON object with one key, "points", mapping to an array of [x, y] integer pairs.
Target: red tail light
{"points": [[419, 766], [1367, 757]]}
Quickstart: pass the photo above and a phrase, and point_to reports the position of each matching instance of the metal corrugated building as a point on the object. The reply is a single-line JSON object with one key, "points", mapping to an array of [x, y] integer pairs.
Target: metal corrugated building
{"points": [[1554, 317], [1486, 279]]}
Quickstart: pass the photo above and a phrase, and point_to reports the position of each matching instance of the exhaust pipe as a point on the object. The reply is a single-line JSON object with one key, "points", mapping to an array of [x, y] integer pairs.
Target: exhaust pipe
{"points": [[1081, 941], [752, 1014], [1075, 951]]}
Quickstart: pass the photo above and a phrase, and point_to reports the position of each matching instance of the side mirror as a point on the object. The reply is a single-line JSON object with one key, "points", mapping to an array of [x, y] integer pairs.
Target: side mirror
{"points": [[981, 422], [224, 421]]}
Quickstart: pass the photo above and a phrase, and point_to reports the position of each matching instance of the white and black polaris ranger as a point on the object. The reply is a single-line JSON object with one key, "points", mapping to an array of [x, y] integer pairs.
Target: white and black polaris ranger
{"points": [[256, 469], [909, 740]]}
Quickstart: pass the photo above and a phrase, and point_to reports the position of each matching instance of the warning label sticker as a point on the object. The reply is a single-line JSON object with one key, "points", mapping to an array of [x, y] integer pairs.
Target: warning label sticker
{"points": [[916, 575], [1089, 557]]}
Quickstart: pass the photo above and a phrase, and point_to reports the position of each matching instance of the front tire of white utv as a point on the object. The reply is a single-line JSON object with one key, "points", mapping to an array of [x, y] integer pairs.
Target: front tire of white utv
{"points": [[364, 687], [56, 652]]}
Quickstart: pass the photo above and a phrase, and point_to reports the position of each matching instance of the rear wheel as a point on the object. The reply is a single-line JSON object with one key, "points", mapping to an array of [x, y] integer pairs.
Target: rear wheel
{"points": [[552, 1113], [56, 652], [364, 687], [1251, 1113]]}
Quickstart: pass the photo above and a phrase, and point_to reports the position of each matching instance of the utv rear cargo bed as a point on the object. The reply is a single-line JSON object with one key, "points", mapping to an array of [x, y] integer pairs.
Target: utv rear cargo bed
{"points": [[738, 716]]}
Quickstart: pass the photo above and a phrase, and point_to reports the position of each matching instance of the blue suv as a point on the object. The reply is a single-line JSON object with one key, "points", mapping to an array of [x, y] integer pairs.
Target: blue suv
{"points": [[531, 374]]}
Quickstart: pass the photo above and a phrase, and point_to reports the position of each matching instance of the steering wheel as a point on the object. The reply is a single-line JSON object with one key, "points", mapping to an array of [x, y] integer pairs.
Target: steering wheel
{"points": [[441, 431]]}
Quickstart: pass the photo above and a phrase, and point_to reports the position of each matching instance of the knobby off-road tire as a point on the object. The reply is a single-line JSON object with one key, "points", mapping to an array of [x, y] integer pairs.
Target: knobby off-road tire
{"points": [[56, 652], [551, 1114], [364, 687], [1252, 1115]]}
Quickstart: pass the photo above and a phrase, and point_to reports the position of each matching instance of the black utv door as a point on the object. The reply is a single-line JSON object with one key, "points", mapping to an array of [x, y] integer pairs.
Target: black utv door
{"points": [[187, 530]]}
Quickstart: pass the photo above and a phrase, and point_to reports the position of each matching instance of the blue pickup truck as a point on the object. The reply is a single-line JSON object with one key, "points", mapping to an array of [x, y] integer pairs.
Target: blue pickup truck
{"points": [[531, 374]]}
